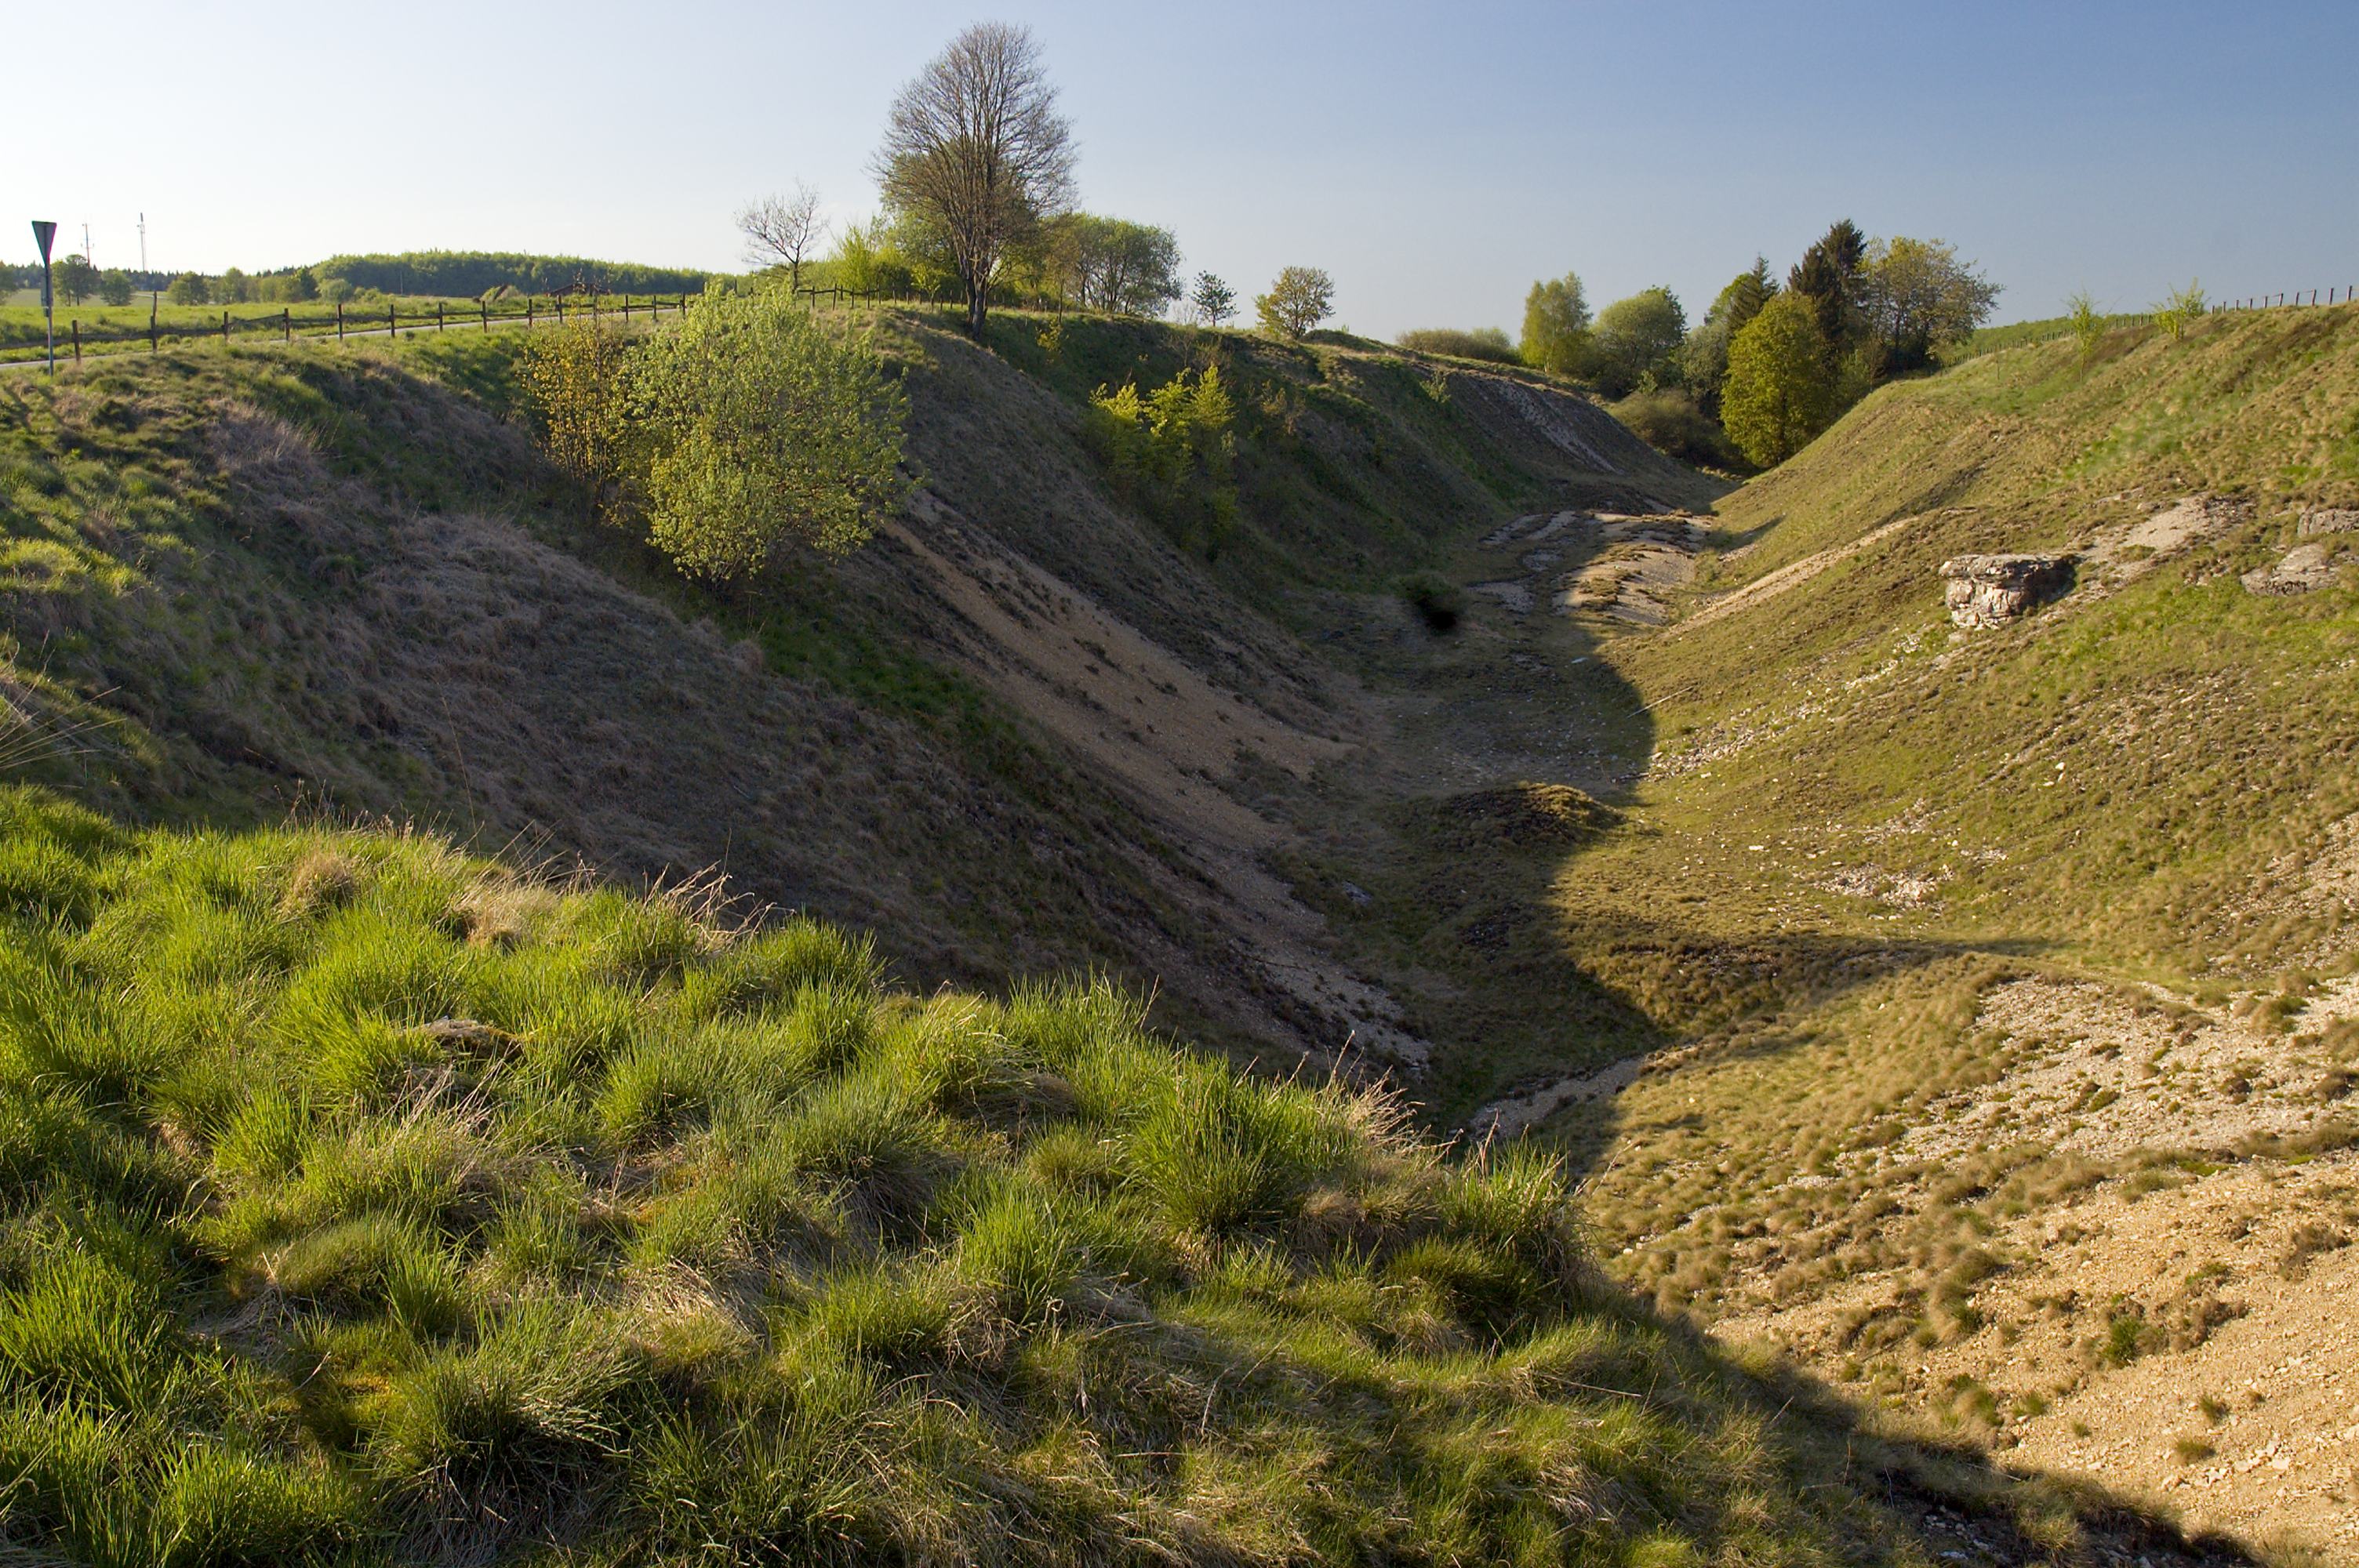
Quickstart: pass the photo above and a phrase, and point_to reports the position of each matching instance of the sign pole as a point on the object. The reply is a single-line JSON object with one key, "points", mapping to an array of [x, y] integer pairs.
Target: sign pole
{"points": [[43, 233]]}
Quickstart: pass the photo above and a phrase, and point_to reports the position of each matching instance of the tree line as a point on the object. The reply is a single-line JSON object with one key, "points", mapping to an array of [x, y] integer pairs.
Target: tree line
{"points": [[1772, 363], [449, 274], [978, 204]]}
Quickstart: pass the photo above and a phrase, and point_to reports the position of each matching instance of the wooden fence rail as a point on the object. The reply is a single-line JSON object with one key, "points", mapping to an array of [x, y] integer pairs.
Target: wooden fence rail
{"points": [[339, 322]]}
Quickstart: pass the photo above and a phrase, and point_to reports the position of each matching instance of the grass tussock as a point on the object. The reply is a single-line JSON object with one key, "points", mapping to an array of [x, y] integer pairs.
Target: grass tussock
{"points": [[365, 1204]]}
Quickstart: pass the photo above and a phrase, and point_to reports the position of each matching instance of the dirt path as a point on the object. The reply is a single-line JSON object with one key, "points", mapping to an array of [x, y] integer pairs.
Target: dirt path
{"points": [[1785, 578]]}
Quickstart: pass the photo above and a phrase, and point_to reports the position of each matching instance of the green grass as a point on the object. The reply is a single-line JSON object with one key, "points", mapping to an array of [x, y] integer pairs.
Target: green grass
{"points": [[2016, 334], [367, 1202], [2186, 732], [110, 329]]}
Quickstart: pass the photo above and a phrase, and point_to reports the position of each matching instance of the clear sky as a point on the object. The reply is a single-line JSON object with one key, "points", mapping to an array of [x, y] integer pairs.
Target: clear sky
{"points": [[1434, 159]]}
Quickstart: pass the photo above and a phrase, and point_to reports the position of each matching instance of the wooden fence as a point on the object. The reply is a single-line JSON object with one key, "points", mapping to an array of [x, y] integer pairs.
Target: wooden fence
{"points": [[340, 321], [2275, 301], [836, 296]]}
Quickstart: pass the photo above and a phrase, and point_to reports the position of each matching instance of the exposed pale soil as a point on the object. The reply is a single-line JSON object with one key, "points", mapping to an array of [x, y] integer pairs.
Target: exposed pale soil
{"points": [[1174, 742], [2241, 1266]]}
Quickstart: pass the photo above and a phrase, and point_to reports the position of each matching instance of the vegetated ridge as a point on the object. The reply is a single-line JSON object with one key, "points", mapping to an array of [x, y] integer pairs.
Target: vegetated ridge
{"points": [[2002, 954], [1048, 721]]}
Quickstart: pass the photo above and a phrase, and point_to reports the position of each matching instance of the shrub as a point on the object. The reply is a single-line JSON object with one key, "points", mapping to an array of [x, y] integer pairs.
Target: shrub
{"points": [[1436, 600], [1671, 422], [1556, 326], [766, 432], [1482, 343], [1779, 391], [574, 376], [2179, 308]]}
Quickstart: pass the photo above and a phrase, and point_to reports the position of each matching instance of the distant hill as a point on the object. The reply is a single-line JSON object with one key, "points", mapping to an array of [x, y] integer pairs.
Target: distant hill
{"points": [[470, 273]]}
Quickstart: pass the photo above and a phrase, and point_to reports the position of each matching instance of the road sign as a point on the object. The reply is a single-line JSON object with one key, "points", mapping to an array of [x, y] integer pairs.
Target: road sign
{"points": [[42, 234]]}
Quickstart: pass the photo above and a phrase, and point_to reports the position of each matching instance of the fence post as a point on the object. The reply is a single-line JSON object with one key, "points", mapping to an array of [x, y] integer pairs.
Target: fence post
{"points": [[391, 321], [152, 342], [528, 310], [224, 329], [286, 326], [340, 320], [438, 315], [77, 336]]}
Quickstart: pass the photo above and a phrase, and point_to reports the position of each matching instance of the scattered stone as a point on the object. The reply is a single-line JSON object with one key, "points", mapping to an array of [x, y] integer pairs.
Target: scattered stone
{"points": [[467, 1035], [1515, 596], [1988, 591], [2305, 566], [2330, 520]]}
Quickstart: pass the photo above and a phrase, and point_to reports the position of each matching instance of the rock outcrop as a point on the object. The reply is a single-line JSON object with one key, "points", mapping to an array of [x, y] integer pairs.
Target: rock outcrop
{"points": [[2330, 520], [1986, 592], [2304, 568]]}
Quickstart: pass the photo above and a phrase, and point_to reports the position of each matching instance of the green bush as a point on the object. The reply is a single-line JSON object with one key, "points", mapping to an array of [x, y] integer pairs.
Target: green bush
{"points": [[1673, 423], [1482, 343]]}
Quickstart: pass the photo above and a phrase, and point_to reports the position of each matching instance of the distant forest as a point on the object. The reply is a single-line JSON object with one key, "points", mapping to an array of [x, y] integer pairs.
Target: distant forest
{"points": [[465, 273]]}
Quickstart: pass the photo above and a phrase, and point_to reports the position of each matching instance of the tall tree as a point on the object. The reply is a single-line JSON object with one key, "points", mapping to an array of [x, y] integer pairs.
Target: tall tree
{"points": [[1214, 300], [1556, 325], [1299, 300], [1917, 298], [783, 230], [72, 278], [1635, 341], [1780, 388], [1747, 293], [1829, 275], [1117, 267], [1703, 358], [975, 144]]}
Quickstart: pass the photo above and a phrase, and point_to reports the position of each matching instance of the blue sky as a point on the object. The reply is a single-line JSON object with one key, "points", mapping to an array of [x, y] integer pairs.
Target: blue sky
{"points": [[1435, 160]]}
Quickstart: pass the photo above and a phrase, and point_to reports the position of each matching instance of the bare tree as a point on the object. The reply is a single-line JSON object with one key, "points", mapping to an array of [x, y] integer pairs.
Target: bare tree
{"points": [[781, 231], [975, 147]]}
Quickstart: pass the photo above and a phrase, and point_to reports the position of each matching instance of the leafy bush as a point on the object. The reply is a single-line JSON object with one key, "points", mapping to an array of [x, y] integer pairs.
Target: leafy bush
{"points": [[765, 432], [1671, 422], [1171, 448], [1482, 343], [1780, 392], [1556, 326], [743, 430]]}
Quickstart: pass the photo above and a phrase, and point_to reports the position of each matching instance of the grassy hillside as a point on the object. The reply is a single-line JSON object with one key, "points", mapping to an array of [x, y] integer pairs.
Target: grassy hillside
{"points": [[1719, 910], [246, 579], [2112, 778], [1864, 839], [367, 1202]]}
